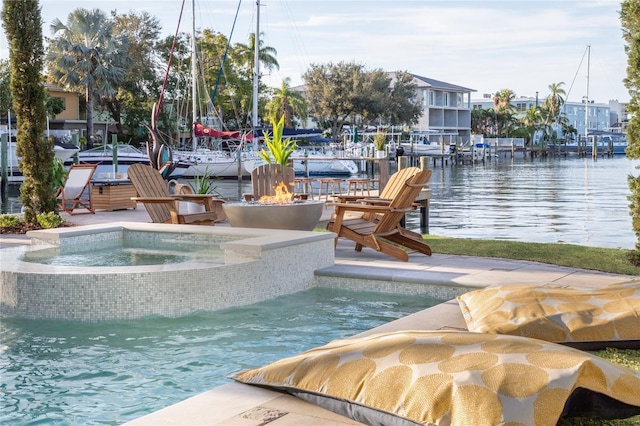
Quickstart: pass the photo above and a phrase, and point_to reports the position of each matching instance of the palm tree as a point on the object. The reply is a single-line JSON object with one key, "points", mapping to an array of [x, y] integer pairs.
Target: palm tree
{"points": [[532, 121], [481, 121], [503, 108], [84, 55], [266, 55], [553, 104], [287, 103], [502, 100]]}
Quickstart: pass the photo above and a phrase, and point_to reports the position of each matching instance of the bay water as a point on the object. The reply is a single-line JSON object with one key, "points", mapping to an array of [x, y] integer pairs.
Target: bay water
{"points": [[555, 200], [548, 200]]}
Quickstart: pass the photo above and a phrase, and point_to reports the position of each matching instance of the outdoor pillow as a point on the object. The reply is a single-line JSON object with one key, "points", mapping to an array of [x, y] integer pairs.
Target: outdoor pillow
{"points": [[453, 378], [608, 314]]}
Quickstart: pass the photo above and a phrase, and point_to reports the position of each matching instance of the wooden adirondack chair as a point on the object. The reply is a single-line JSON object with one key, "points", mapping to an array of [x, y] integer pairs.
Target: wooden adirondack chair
{"points": [[380, 227], [163, 207], [72, 196], [266, 177]]}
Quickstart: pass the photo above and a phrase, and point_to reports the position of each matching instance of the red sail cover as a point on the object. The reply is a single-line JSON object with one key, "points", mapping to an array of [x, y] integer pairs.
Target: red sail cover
{"points": [[201, 130]]}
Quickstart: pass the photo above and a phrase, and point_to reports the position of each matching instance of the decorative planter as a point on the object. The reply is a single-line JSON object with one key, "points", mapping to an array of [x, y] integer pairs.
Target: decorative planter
{"points": [[296, 215], [381, 154]]}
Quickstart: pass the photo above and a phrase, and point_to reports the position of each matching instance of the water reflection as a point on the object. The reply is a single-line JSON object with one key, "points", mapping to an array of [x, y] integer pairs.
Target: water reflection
{"points": [[571, 200]]}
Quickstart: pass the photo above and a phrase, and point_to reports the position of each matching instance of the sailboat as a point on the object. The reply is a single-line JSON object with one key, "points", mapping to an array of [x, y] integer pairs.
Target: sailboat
{"points": [[231, 159]]}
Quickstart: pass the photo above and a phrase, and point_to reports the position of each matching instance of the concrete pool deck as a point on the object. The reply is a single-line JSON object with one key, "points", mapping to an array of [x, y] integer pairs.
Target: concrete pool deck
{"points": [[237, 404]]}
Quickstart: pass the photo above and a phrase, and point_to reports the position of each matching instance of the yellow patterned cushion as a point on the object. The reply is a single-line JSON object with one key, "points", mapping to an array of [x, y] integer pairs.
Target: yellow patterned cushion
{"points": [[448, 377], [555, 314]]}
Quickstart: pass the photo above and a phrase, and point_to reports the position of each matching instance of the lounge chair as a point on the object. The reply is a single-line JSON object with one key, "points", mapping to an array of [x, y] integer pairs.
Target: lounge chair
{"points": [[380, 226], [76, 192], [265, 179], [163, 207]]}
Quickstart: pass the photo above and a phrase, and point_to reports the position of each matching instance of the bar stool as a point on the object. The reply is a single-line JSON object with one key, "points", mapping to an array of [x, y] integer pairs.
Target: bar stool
{"points": [[303, 186], [330, 183], [358, 184]]}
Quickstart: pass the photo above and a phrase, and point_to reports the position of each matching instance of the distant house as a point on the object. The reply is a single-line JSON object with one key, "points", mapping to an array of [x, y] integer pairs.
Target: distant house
{"points": [[71, 102], [446, 110], [73, 118]]}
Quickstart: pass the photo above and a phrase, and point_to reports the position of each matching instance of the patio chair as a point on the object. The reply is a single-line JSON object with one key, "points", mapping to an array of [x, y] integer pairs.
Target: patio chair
{"points": [[380, 226], [265, 179], [76, 192], [163, 207]]}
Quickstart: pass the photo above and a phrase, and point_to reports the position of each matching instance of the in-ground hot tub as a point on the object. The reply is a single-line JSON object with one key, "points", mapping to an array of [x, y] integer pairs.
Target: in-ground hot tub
{"points": [[235, 267], [300, 215]]}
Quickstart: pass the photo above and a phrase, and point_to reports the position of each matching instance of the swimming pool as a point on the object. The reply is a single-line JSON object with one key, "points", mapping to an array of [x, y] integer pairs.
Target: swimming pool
{"points": [[231, 267], [73, 372]]}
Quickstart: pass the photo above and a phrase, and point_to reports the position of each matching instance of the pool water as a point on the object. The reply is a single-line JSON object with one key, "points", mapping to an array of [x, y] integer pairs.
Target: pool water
{"points": [[106, 257], [67, 372], [130, 251]]}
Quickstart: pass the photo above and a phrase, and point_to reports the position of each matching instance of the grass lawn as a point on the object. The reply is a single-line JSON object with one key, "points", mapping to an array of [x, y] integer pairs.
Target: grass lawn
{"points": [[575, 256]]}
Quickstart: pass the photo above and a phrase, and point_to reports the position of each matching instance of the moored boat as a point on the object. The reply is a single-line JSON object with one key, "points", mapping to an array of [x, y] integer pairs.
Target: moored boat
{"points": [[124, 156]]}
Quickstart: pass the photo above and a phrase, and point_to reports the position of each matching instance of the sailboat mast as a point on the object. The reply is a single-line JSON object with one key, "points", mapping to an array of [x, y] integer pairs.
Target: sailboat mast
{"points": [[256, 69], [586, 105], [194, 100]]}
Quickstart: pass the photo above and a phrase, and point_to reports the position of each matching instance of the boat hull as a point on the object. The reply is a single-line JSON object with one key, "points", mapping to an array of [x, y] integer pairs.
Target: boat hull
{"points": [[214, 163], [316, 165], [126, 155]]}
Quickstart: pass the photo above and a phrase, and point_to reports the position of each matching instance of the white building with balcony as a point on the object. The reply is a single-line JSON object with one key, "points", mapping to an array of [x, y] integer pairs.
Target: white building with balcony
{"points": [[446, 112]]}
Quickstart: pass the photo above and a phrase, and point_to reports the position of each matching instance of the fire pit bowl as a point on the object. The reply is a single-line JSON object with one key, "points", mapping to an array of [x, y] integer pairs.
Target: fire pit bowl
{"points": [[300, 215]]}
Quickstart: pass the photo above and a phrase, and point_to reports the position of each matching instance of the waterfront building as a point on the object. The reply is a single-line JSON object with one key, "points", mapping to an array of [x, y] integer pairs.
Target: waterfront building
{"points": [[601, 116], [446, 110]]}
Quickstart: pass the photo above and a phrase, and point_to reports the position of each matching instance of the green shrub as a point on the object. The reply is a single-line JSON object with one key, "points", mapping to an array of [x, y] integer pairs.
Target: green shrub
{"points": [[203, 184], [279, 148], [49, 220], [9, 220]]}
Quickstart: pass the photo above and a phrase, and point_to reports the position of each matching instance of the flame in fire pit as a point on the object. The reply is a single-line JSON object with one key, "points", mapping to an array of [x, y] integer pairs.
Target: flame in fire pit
{"points": [[282, 196]]}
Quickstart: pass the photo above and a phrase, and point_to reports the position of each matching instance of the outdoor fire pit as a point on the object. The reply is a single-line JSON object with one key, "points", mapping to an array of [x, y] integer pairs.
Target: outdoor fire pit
{"points": [[301, 215]]}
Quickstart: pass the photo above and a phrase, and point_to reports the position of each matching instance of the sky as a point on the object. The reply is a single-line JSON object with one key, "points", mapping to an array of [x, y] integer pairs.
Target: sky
{"points": [[485, 46]]}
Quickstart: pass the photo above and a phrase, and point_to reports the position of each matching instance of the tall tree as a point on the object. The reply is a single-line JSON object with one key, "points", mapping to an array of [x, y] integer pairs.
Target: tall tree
{"points": [[231, 87], [401, 106], [85, 55], [503, 110], [286, 103], [333, 93], [552, 108], [139, 87], [22, 22], [532, 121], [630, 19], [482, 121], [245, 55]]}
